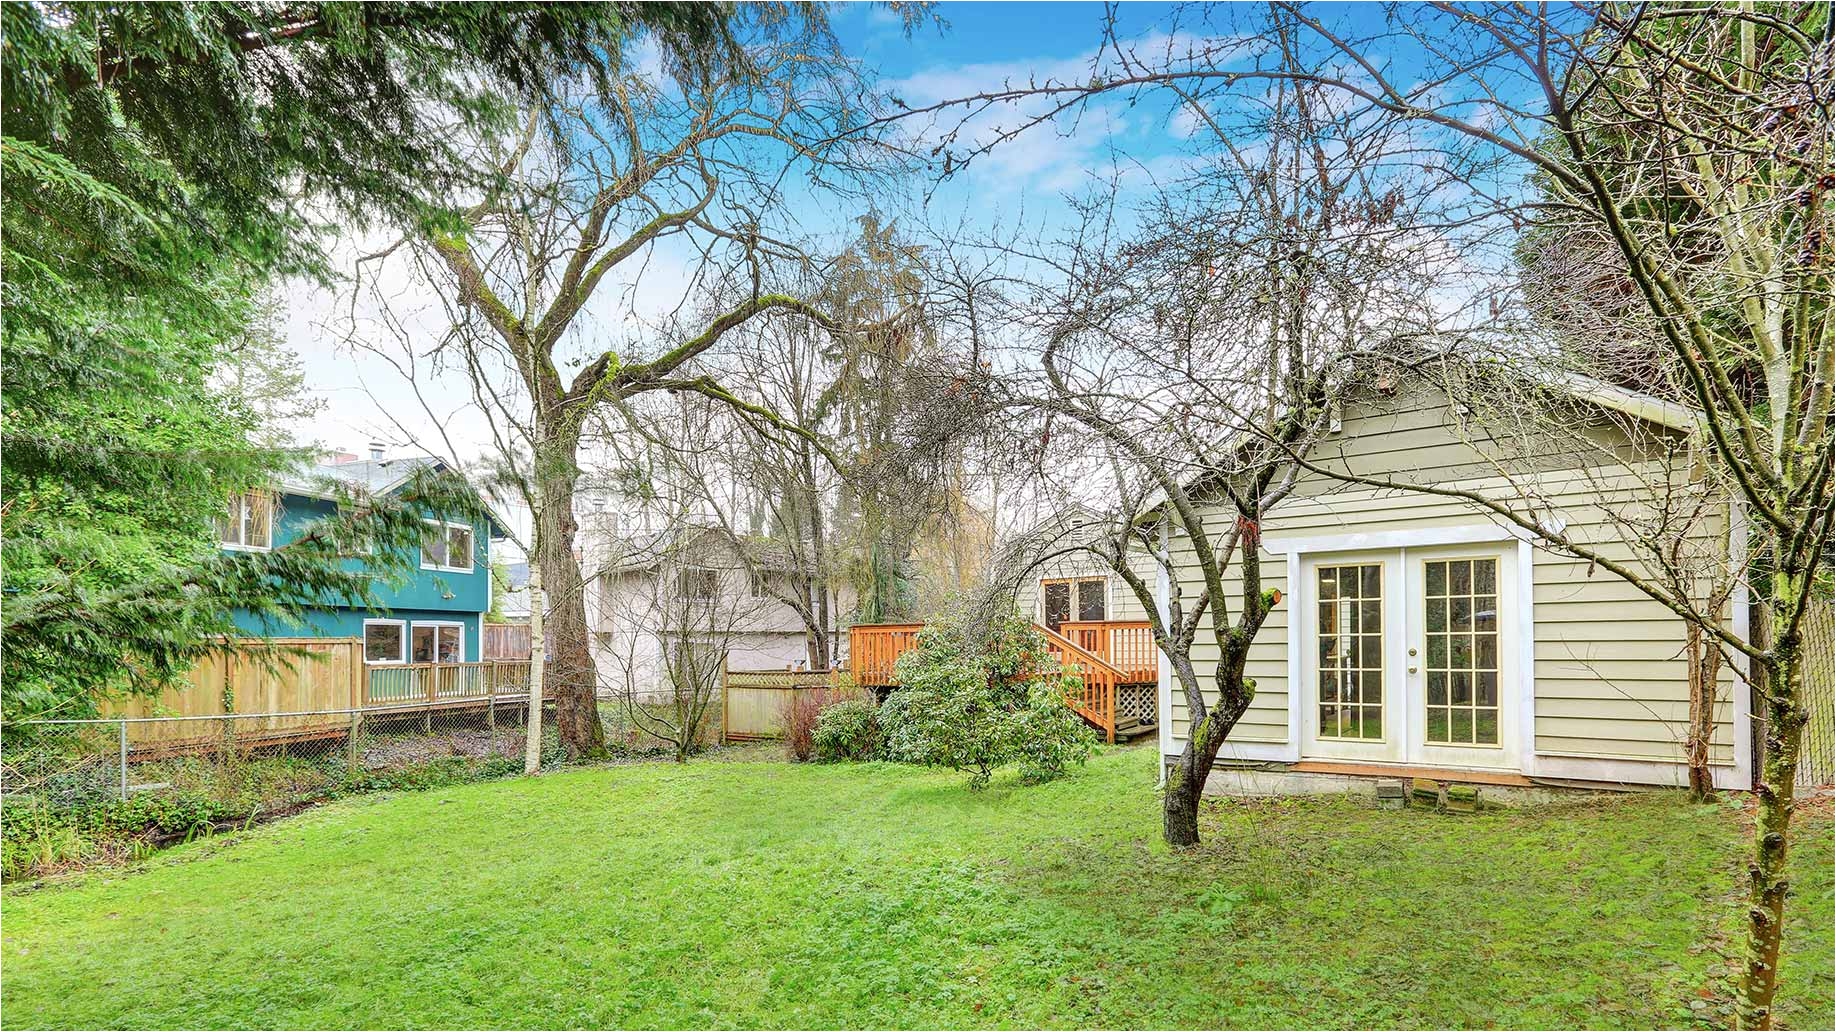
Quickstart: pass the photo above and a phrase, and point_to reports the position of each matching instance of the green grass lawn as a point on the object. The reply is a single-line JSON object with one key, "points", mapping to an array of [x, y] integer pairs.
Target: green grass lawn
{"points": [[769, 894]]}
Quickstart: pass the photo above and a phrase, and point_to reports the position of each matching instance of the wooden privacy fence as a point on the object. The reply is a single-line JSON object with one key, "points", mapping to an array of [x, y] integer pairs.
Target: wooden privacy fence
{"points": [[873, 648], [294, 684], [505, 641], [320, 674], [752, 701]]}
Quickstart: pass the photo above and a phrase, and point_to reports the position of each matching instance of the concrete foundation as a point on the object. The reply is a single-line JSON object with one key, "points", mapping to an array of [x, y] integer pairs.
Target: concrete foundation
{"points": [[1280, 781]]}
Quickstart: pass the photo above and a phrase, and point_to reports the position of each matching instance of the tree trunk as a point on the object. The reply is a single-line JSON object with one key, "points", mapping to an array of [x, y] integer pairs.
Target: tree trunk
{"points": [[1186, 783], [538, 641], [1767, 884], [572, 680], [1704, 670]]}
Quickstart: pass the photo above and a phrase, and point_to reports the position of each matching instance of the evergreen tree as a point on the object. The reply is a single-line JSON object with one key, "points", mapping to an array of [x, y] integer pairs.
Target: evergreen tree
{"points": [[162, 163]]}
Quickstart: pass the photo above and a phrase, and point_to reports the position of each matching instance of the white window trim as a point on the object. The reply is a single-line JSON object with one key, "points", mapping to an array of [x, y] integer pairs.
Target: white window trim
{"points": [[471, 564], [403, 654], [1109, 602], [408, 639], [273, 517]]}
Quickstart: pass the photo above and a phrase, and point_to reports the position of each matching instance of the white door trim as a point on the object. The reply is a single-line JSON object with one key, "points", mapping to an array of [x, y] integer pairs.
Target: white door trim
{"points": [[1295, 548], [1526, 656], [1361, 541]]}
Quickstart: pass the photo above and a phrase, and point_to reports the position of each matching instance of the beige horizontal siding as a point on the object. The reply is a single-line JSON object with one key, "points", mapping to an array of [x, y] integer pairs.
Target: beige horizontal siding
{"points": [[1611, 678], [1123, 603]]}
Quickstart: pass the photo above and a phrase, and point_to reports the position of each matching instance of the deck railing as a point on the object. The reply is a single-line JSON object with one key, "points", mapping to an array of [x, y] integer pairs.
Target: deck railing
{"points": [[876, 647], [399, 684], [1127, 645], [873, 648], [1094, 698]]}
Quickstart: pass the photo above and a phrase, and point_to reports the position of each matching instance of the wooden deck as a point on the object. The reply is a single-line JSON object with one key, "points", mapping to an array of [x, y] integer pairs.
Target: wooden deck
{"points": [[1104, 655]]}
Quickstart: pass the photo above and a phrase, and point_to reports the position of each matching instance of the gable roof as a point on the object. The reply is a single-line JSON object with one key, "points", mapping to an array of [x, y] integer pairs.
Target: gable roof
{"points": [[1647, 407], [647, 550], [375, 476]]}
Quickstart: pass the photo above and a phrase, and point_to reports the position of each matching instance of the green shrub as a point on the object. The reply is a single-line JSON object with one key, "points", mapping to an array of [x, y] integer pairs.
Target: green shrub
{"points": [[977, 700], [46, 835], [848, 731], [898, 735]]}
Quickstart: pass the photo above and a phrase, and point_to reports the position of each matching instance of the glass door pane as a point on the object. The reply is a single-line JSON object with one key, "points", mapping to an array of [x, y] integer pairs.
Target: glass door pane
{"points": [[1057, 603], [1091, 601], [1460, 625], [1350, 649]]}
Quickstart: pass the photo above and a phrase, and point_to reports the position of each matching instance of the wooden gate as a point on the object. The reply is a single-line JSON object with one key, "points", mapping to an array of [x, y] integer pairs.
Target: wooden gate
{"points": [[752, 701]]}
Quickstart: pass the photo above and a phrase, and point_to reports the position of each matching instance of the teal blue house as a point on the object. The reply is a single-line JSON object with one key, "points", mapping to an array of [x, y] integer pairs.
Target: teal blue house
{"points": [[435, 617]]}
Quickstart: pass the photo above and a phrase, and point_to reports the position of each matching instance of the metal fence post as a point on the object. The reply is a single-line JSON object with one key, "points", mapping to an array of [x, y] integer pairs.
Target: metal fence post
{"points": [[352, 747], [491, 724], [122, 725]]}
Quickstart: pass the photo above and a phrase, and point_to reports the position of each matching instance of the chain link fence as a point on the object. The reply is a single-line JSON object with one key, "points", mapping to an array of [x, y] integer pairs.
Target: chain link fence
{"points": [[1817, 761], [81, 791]]}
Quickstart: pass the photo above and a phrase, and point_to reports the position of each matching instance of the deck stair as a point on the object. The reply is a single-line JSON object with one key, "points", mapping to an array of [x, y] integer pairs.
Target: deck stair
{"points": [[876, 647], [1130, 728]]}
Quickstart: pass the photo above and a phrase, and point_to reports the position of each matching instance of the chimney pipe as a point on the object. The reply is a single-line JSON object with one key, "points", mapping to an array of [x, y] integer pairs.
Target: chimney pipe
{"points": [[375, 451]]}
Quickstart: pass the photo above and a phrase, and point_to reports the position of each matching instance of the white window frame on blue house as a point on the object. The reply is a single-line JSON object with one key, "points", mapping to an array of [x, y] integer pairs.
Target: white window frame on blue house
{"points": [[401, 651], [471, 546], [436, 626], [239, 511]]}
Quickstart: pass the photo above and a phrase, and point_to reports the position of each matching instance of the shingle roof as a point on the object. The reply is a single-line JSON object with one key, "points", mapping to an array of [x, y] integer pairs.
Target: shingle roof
{"points": [[376, 476]]}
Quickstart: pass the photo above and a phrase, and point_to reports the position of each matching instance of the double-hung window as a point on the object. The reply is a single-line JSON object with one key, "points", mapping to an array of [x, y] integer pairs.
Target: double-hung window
{"points": [[697, 582], [447, 546], [247, 523]]}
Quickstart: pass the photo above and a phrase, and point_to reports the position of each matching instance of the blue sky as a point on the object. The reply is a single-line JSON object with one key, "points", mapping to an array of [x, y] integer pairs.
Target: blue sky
{"points": [[983, 44], [1025, 180]]}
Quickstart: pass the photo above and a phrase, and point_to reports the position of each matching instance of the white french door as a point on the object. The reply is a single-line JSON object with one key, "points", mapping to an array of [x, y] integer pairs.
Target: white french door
{"points": [[1409, 656], [1351, 656]]}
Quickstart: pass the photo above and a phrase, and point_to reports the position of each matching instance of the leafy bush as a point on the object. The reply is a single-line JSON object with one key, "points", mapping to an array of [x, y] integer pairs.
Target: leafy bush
{"points": [[976, 701], [899, 740], [848, 730]]}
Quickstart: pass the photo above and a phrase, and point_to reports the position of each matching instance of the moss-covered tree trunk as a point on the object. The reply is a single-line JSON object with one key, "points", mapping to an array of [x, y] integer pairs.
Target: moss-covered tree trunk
{"points": [[1781, 681], [572, 681], [1186, 782]]}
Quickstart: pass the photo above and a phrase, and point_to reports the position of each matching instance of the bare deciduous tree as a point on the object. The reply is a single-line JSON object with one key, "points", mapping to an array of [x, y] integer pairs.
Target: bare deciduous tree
{"points": [[695, 162], [1180, 372], [1694, 143]]}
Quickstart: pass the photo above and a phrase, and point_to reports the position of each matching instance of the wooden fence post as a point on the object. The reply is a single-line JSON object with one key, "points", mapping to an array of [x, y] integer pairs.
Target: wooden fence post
{"points": [[725, 701]]}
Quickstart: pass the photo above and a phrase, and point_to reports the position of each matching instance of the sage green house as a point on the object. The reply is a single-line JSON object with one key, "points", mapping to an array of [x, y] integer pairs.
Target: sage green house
{"points": [[1420, 632]]}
